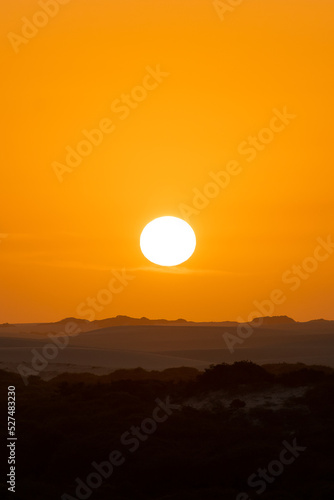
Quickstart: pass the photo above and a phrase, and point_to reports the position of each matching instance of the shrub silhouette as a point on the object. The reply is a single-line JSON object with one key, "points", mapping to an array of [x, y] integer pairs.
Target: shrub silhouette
{"points": [[225, 376], [66, 424], [305, 376], [236, 404]]}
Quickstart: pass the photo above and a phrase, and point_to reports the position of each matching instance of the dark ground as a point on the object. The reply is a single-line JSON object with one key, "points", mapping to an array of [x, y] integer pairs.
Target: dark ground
{"points": [[196, 454]]}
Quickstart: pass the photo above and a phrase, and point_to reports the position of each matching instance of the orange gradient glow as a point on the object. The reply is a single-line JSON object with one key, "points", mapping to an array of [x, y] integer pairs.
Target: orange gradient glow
{"points": [[203, 94]]}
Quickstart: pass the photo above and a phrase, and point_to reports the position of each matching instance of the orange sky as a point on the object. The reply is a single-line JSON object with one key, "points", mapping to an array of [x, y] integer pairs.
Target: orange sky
{"points": [[221, 81]]}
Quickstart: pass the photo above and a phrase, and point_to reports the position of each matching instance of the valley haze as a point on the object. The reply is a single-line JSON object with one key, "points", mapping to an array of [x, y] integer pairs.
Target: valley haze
{"points": [[122, 342]]}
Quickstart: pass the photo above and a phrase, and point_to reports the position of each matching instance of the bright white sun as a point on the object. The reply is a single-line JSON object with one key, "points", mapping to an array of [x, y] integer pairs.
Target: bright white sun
{"points": [[167, 241]]}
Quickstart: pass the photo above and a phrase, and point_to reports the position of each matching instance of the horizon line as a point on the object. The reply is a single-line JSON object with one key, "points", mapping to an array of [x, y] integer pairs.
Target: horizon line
{"points": [[161, 319]]}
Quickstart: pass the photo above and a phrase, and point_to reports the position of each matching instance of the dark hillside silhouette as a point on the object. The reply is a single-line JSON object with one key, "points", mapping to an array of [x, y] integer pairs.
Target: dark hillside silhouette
{"points": [[197, 453]]}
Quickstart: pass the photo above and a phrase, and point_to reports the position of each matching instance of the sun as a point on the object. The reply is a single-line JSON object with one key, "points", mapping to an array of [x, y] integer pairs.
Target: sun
{"points": [[167, 241]]}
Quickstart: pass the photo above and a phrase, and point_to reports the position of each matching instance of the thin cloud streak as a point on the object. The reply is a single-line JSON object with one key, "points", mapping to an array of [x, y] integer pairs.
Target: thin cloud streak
{"points": [[75, 265]]}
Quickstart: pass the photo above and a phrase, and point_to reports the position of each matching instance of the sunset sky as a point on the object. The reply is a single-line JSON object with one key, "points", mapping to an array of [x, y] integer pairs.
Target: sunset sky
{"points": [[202, 86]]}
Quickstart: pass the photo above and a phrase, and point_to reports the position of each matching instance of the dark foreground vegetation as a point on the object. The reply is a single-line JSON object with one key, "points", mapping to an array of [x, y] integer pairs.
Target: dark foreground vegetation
{"points": [[184, 453]]}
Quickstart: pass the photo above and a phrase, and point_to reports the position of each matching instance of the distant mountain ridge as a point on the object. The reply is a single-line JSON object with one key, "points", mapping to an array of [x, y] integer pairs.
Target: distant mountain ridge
{"points": [[143, 321], [119, 321], [124, 342], [275, 320]]}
